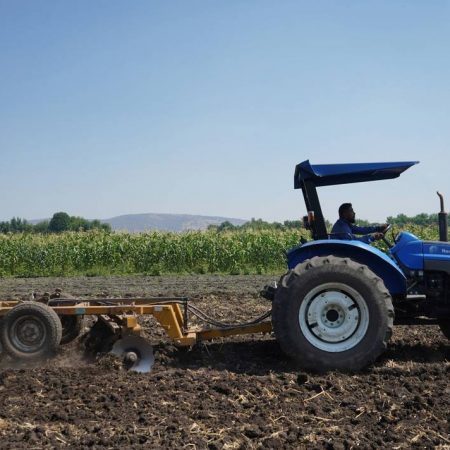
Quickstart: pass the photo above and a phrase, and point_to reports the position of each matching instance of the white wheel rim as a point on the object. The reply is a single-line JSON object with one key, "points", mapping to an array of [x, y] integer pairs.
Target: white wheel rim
{"points": [[334, 317]]}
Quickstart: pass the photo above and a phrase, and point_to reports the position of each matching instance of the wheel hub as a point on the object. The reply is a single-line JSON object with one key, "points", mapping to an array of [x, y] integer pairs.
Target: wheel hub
{"points": [[333, 317], [131, 357], [28, 334]]}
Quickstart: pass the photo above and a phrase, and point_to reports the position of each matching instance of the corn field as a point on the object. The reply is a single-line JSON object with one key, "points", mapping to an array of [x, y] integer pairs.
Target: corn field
{"points": [[154, 253]]}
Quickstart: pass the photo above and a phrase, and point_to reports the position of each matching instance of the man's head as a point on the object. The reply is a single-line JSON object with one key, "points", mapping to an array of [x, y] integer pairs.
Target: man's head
{"points": [[346, 212]]}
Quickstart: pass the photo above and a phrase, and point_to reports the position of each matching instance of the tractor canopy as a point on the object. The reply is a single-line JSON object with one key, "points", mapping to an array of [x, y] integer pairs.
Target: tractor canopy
{"points": [[308, 177], [332, 174]]}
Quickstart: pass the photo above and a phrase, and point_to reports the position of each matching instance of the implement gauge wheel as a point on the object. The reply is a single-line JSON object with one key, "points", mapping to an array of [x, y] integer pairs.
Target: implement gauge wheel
{"points": [[332, 313], [30, 331]]}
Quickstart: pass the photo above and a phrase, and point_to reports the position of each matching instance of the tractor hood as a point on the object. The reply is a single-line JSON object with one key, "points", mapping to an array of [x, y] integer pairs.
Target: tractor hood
{"points": [[331, 174]]}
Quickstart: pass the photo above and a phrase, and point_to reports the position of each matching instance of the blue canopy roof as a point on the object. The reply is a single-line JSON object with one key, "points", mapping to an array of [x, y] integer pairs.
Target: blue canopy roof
{"points": [[331, 174]]}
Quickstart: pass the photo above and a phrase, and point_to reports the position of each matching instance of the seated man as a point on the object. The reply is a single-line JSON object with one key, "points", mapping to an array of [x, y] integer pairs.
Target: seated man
{"points": [[345, 227]]}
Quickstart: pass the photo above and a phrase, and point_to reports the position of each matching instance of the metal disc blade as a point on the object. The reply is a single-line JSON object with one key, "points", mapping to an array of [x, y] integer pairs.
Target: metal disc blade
{"points": [[138, 346]]}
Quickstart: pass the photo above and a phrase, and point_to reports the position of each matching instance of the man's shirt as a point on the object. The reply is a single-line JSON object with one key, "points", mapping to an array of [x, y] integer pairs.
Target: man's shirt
{"points": [[346, 230]]}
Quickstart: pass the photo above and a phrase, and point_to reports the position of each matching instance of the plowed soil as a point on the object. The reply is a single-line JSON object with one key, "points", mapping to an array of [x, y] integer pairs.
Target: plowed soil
{"points": [[239, 393]]}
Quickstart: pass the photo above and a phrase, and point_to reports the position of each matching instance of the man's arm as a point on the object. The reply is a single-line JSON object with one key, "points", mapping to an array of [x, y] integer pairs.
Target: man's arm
{"points": [[363, 230], [343, 230], [366, 230]]}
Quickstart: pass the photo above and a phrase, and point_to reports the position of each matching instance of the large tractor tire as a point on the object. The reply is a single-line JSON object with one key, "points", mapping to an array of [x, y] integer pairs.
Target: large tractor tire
{"points": [[444, 325], [332, 313], [30, 331]]}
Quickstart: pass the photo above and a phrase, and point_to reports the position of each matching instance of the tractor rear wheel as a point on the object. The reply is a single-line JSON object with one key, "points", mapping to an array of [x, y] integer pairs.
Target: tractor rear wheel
{"points": [[30, 331], [332, 313]]}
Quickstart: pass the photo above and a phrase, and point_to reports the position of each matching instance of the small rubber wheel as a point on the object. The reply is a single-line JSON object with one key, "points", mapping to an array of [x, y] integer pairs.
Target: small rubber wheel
{"points": [[30, 331], [444, 325], [71, 328]]}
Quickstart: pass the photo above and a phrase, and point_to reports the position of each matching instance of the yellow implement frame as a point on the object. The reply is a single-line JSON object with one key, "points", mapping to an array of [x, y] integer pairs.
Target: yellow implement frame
{"points": [[167, 312]]}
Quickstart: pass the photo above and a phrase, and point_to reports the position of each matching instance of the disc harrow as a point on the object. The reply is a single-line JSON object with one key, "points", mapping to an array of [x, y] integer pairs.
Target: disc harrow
{"points": [[32, 330]]}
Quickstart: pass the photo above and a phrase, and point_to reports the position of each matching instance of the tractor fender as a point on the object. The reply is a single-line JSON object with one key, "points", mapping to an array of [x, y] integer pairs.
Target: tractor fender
{"points": [[383, 266]]}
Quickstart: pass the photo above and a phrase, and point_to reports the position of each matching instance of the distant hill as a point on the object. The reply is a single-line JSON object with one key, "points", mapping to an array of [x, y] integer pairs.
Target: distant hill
{"points": [[135, 223]]}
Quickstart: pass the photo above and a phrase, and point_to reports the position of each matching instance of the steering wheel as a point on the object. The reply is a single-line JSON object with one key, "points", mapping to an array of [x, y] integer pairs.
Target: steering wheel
{"points": [[384, 235]]}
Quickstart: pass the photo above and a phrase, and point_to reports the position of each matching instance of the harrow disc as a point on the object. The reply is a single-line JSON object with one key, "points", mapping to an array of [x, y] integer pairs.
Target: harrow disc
{"points": [[136, 353]]}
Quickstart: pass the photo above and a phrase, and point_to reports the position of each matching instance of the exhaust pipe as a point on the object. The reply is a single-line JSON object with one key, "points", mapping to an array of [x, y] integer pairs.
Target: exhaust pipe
{"points": [[443, 223]]}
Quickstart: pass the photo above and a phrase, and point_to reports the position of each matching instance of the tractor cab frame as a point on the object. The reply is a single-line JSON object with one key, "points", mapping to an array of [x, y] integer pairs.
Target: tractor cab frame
{"points": [[308, 177]]}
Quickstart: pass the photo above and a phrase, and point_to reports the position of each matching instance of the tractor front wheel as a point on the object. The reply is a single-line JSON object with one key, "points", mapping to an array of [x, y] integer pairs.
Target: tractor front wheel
{"points": [[332, 313]]}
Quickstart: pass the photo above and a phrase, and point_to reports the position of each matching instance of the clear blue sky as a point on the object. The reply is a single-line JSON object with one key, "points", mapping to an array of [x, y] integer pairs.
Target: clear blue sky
{"points": [[205, 107]]}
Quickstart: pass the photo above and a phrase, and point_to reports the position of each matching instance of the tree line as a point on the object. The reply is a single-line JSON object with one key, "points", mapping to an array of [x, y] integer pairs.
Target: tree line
{"points": [[259, 224], [60, 222], [422, 219]]}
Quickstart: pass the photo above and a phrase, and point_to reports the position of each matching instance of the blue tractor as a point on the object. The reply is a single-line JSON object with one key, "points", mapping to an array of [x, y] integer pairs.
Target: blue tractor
{"points": [[336, 306]]}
